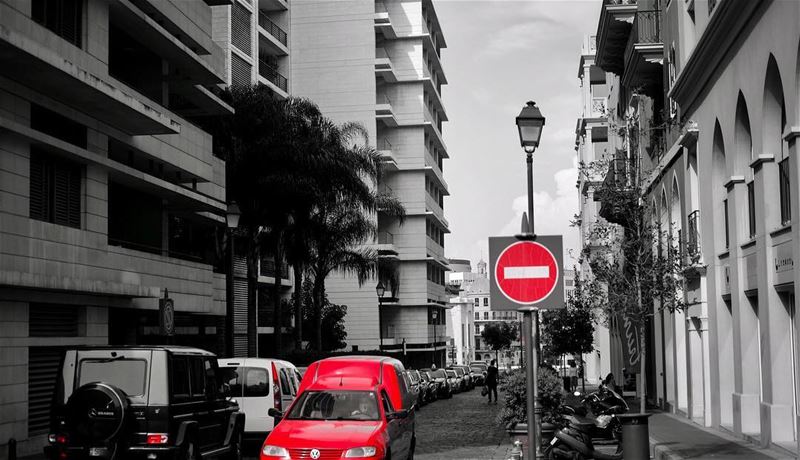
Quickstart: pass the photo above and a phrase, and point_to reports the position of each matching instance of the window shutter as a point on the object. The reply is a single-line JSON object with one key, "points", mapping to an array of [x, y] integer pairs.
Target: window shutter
{"points": [[43, 364], [240, 71], [39, 188], [240, 28]]}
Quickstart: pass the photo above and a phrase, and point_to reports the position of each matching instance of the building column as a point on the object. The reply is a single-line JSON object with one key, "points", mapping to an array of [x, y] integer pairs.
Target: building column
{"points": [[794, 182], [747, 364]]}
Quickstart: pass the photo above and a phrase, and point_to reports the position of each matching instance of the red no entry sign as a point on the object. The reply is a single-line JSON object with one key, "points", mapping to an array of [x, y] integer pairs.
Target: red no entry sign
{"points": [[526, 273]]}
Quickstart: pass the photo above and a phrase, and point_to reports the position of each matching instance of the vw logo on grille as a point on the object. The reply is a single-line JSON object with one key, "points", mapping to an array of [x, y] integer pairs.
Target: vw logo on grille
{"points": [[314, 454]]}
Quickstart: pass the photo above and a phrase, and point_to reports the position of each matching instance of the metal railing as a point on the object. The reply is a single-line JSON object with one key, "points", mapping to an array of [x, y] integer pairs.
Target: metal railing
{"points": [[647, 27], [272, 74], [692, 255], [617, 175], [385, 238], [273, 29]]}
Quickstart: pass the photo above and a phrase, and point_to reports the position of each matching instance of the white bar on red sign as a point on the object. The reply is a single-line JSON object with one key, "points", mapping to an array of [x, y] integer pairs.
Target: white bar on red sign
{"points": [[519, 273]]}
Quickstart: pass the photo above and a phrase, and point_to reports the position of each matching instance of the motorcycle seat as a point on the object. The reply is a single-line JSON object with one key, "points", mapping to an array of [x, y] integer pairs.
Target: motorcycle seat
{"points": [[581, 423]]}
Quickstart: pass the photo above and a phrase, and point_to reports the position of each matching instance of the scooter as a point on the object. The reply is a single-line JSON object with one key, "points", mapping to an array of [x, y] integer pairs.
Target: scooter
{"points": [[604, 404], [575, 442]]}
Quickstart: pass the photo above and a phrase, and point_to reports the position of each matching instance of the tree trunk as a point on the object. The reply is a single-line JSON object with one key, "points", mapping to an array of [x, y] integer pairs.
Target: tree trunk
{"points": [[277, 330], [298, 306], [641, 315], [319, 293]]}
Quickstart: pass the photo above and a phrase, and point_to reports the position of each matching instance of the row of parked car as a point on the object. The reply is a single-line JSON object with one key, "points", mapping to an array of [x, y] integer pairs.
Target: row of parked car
{"points": [[431, 384], [183, 403]]}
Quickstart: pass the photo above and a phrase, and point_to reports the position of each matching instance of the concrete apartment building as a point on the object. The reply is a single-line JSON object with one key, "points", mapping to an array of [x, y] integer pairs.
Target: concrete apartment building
{"points": [[107, 187], [379, 64], [592, 147], [715, 86], [254, 39]]}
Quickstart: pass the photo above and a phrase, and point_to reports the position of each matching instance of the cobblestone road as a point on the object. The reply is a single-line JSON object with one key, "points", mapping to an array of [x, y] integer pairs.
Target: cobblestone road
{"points": [[461, 428]]}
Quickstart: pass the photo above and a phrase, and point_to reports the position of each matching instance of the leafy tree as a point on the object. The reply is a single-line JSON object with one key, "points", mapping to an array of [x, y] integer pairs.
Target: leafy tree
{"points": [[499, 336], [333, 330], [634, 259]]}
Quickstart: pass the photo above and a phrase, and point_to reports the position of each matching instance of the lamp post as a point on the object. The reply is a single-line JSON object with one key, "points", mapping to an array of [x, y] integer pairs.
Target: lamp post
{"points": [[434, 315], [380, 289], [232, 221], [530, 123]]}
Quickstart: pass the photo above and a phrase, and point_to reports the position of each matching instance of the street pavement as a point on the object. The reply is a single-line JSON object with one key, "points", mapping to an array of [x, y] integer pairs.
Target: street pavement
{"points": [[461, 428]]}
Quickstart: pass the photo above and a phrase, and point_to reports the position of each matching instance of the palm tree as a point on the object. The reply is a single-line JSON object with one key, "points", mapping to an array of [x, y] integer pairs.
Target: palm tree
{"points": [[344, 220]]}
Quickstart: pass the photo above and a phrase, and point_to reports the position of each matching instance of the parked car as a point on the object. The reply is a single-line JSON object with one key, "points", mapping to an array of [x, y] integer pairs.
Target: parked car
{"points": [[479, 370], [439, 377], [348, 406], [142, 402], [419, 385], [432, 389], [260, 385], [463, 379], [468, 373], [454, 380]]}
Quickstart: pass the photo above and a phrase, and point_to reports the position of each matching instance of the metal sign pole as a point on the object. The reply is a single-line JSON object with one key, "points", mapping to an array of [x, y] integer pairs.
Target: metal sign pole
{"points": [[530, 377]]}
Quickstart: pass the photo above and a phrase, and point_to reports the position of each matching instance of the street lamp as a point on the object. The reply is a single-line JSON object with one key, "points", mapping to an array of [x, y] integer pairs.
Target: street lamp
{"points": [[530, 123], [232, 221], [380, 289], [434, 315]]}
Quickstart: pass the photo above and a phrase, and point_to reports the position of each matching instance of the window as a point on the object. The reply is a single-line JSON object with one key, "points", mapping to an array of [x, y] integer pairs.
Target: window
{"points": [[477, 315], [494, 315], [786, 199], [129, 375], [727, 228], [198, 377], [486, 315], [286, 388], [232, 376], [477, 344], [179, 388], [387, 403], [477, 329], [751, 208], [240, 28], [62, 17], [55, 190], [485, 301], [53, 320], [240, 71], [256, 382], [477, 304]]}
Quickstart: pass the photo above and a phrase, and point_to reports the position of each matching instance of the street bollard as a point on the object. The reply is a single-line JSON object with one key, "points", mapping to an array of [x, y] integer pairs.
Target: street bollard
{"points": [[635, 436], [12, 449], [516, 452]]}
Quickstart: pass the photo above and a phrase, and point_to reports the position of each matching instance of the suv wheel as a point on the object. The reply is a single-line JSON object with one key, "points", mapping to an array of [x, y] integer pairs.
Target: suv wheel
{"points": [[235, 451], [189, 451], [96, 413]]}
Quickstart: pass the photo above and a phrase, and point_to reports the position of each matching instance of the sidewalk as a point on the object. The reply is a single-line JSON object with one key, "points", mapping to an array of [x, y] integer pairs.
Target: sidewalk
{"points": [[674, 438]]}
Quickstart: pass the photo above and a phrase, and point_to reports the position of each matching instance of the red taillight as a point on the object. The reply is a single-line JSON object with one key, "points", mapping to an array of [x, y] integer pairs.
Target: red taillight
{"points": [[57, 438], [276, 388], [157, 438]]}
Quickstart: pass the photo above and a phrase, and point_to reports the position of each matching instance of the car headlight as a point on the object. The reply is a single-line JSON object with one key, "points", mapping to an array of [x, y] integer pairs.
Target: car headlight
{"points": [[361, 452], [274, 451]]}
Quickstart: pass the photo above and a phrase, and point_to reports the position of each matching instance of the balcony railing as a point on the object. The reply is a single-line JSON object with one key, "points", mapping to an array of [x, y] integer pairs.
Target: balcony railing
{"points": [[692, 246], [617, 176], [385, 238], [268, 269], [647, 27], [384, 144], [265, 22], [272, 74]]}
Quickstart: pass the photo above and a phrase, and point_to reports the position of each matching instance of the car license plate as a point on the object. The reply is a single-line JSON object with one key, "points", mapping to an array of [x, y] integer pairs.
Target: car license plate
{"points": [[553, 441], [98, 452]]}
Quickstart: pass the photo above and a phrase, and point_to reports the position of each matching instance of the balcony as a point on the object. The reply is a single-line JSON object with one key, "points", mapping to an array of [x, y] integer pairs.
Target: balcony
{"points": [[386, 247], [275, 79], [612, 193], [599, 107], [267, 269], [644, 54], [384, 112], [383, 66], [691, 256], [616, 20], [273, 5], [278, 37], [386, 155], [383, 23]]}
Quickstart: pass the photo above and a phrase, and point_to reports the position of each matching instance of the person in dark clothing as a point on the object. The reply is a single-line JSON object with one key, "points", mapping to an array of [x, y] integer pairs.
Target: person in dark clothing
{"points": [[491, 381]]}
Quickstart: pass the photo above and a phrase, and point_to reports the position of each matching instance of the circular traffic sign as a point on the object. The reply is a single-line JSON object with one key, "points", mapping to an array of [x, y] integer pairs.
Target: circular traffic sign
{"points": [[526, 272]]}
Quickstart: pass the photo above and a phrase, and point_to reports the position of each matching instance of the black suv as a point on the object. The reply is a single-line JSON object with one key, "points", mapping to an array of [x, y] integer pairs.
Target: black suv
{"points": [[142, 402]]}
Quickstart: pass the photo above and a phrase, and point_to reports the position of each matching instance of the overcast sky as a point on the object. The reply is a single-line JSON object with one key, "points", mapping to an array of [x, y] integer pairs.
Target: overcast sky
{"points": [[500, 54]]}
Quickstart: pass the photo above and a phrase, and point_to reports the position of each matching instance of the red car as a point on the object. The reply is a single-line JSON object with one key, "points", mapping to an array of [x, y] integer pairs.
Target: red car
{"points": [[347, 407]]}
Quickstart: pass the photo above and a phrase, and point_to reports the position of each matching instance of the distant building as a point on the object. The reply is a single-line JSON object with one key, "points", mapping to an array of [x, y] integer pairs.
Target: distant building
{"points": [[460, 322]]}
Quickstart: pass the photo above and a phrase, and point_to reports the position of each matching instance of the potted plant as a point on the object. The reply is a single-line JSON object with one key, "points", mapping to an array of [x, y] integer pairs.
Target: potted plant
{"points": [[513, 415]]}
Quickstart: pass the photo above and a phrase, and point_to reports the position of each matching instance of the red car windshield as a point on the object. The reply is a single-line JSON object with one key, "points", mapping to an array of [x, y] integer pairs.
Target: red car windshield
{"points": [[336, 405]]}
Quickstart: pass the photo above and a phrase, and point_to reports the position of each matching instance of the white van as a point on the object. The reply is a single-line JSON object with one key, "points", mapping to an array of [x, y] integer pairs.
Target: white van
{"points": [[259, 385]]}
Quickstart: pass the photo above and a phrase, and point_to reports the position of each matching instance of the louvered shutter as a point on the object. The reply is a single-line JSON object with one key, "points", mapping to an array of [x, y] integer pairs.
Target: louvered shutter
{"points": [[240, 318], [240, 28], [39, 187], [67, 195], [43, 364], [51, 320], [240, 71]]}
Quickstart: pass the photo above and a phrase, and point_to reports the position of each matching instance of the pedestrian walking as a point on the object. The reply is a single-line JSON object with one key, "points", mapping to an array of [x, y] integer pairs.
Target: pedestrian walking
{"points": [[491, 381]]}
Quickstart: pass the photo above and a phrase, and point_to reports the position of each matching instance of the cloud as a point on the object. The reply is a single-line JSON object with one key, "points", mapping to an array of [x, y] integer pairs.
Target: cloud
{"points": [[552, 212]]}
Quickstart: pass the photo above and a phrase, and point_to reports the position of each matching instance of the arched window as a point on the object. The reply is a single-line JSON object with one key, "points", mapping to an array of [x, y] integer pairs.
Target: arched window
{"points": [[773, 126], [743, 144], [720, 176], [676, 220]]}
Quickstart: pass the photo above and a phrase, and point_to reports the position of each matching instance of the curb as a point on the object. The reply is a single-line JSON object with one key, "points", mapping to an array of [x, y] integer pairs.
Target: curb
{"points": [[661, 452]]}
